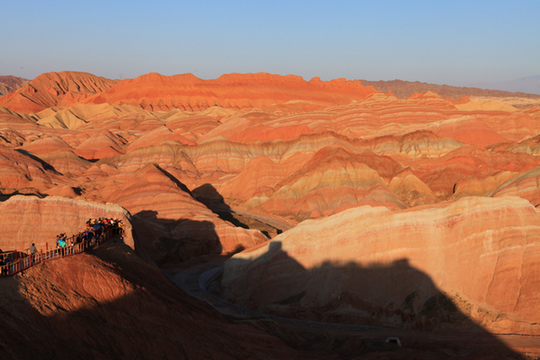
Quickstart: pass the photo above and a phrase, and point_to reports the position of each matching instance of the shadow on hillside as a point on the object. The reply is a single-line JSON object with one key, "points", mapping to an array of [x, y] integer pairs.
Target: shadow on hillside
{"points": [[139, 314], [23, 192], [169, 241], [112, 305], [43, 163], [174, 240], [209, 196], [212, 199], [180, 239], [395, 296], [177, 182]]}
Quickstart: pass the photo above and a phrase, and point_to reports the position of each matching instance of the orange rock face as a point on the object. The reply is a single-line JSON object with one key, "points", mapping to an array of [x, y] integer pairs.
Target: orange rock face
{"points": [[157, 92], [297, 162], [375, 265], [422, 185], [177, 226]]}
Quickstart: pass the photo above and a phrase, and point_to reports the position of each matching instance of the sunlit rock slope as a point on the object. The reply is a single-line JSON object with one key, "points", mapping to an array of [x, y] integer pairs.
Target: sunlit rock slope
{"points": [[443, 190], [398, 268]]}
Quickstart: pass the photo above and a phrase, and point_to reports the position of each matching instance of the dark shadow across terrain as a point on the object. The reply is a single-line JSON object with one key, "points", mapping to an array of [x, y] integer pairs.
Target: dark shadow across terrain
{"points": [[43, 163], [209, 196], [395, 296], [174, 241], [147, 317], [23, 192]]}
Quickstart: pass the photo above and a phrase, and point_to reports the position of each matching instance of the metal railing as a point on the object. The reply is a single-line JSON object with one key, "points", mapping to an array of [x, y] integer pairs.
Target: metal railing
{"points": [[21, 261]]}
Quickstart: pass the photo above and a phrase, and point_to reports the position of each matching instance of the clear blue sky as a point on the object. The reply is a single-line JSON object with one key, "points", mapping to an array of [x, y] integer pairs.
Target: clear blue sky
{"points": [[443, 42]]}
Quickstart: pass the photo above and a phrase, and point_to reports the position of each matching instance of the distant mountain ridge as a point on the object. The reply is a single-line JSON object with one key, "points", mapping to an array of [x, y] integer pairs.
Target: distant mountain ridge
{"points": [[10, 83], [403, 89], [529, 84], [55, 89], [157, 92], [154, 91]]}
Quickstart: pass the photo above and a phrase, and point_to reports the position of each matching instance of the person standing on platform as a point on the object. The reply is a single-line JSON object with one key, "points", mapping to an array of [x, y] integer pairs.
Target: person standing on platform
{"points": [[33, 252]]}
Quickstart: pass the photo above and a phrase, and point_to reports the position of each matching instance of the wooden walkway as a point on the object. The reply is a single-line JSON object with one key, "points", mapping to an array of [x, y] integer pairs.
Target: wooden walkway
{"points": [[20, 261]]}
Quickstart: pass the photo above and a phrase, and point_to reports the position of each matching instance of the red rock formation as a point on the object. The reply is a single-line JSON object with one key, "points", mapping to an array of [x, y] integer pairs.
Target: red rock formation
{"points": [[99, 145], [158, 136], [279, 149], [525, 186], [444, 175], [529, 146], [129, 139], [157, 92], [374, 265], [411, 190], [469, 131], [331, 181], [111, 304], [47, 145], [55, 89], [66, 163], [177, 226], [412, 145], [20, 170]]}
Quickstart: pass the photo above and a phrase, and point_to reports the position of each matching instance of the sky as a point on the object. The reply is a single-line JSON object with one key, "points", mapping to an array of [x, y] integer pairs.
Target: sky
{"points": [[458, 43]]}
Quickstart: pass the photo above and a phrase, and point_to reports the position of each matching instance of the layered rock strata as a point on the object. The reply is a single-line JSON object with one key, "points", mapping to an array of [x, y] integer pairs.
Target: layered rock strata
{"points": [[476, 258]]}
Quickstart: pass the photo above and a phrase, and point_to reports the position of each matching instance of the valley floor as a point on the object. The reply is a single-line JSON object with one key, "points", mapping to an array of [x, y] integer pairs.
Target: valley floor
{"points": [[351, 340]]}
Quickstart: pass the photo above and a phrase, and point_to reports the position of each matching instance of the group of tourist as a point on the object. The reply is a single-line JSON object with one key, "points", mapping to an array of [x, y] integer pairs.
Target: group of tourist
{"points": [[94, 229], [5, 261], [102, 224], [61, 240]]}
